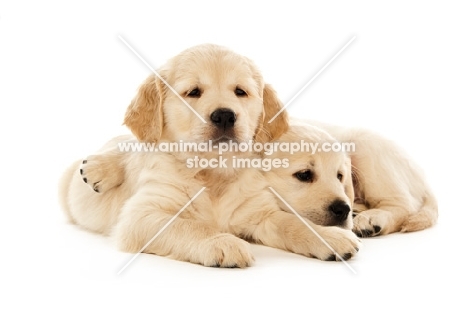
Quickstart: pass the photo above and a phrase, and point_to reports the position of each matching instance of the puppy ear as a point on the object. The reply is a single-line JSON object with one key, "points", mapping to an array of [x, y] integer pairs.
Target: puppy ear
{"points": [[144, 116], [271, 106], [351, 184], [349, 191]]}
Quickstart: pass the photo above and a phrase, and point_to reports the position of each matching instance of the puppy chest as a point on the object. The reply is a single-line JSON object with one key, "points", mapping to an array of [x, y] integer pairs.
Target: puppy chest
{"points": [[222, 211]]}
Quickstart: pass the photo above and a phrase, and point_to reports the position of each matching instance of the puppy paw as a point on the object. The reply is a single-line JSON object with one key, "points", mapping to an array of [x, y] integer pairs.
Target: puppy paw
{"points": [[227, 251], [100, 174], [370, 223], [340, 244]]}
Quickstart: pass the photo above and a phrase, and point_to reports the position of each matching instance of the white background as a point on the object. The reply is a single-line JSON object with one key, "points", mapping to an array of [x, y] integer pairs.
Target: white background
{"points": [[66, 80]]}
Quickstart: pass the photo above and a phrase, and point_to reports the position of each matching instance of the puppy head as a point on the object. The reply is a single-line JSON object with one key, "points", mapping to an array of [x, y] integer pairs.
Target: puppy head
{"points": [[223, 88], [318, 186]]}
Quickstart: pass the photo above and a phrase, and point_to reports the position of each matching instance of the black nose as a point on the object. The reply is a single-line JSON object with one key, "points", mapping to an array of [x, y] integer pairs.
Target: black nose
{"points": [[339, 210], [223, 118]]}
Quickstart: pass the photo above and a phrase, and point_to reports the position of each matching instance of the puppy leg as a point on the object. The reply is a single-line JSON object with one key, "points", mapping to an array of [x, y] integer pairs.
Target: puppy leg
{"points": [[103, 171], [425, 217], [367, 224], [145, 215], [385, 187], [384, 218], [268, 225], [392, 186], [285, 231], [261, 220], [106, 169]]}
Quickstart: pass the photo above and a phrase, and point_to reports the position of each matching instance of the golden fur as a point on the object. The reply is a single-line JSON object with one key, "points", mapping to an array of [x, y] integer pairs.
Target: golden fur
{"points": [[391, 193], [312, 198], [140, 192], [216, 72]]}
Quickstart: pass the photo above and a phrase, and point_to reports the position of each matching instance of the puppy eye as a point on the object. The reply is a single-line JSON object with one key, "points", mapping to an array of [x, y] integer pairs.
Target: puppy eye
{"points": [[339, 176], [304, 175], [194, 93], [240, 92]]}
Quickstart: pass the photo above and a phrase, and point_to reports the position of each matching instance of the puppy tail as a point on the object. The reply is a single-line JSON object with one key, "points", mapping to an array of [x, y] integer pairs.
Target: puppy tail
{"points": [[425, 217], [64, 190]]}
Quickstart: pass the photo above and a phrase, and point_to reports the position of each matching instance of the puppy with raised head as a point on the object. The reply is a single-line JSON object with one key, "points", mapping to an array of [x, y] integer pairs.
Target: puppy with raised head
{"points": [[132, 196]]}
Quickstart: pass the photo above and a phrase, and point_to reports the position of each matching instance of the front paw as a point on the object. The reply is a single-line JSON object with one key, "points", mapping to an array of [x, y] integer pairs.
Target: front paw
{"points": [[335, 244], [99, 174], [226, 250], [371, 223]]}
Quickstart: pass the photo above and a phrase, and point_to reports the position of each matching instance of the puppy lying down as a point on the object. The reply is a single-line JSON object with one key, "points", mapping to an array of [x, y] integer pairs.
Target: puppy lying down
{"points": [[132, 196], [214, 95], [390, 191], [146, 190], [145, 194]]}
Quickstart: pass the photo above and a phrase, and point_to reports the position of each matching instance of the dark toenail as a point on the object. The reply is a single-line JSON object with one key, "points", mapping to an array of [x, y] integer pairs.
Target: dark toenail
{"points": [[346, 256], [331, 258]]}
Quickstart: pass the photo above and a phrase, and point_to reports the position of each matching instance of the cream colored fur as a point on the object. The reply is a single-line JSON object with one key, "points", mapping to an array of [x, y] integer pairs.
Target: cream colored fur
{"points": [[391, 193], [131, 196]]}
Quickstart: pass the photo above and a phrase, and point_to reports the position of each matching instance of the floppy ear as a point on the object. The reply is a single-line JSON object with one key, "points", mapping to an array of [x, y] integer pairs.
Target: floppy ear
{"points": [[271, 106], [144, 116], [351, 182], [349, 191]]}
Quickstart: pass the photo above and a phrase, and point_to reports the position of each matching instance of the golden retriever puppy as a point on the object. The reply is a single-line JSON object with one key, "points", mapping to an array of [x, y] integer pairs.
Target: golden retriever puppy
{"points": [[391, 193], [134, 196], [317, 185]]}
